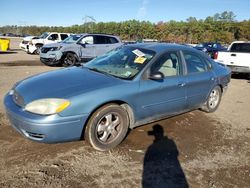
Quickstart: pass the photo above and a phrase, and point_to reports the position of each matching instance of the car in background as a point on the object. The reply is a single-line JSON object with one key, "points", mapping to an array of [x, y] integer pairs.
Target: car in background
{"points": [[210, 48], [9, 35], [46, 38], [127, 87], [237, 57], [78, 48], [25, 42]]}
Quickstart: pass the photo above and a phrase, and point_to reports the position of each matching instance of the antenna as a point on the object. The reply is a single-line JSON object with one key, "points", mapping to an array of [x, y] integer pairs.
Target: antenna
{"points": [[88, 22]]}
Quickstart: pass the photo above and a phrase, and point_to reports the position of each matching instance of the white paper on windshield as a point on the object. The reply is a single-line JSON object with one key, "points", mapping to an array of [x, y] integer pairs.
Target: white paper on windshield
{"points": [[138, 53]]}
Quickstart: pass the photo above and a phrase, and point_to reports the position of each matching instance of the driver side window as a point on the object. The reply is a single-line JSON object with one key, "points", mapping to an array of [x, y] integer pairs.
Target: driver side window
{"points": [[168, 64], [88, 40], [53, 37]]}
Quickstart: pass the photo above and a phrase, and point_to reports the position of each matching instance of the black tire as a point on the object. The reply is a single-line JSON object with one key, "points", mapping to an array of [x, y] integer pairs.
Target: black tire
{"points": [[213, 100], [107, 127], [69, 59], [37, 51]]}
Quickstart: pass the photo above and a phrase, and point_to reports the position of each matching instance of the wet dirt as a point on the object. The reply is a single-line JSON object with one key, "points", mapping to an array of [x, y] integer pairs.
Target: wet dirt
{"points": [[197, 155]]}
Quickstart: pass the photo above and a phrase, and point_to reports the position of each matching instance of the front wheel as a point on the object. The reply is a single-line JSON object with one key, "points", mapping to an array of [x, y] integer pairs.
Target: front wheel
{"points": [[107, 127], [213, 100], [69, 60], [38, 48]]}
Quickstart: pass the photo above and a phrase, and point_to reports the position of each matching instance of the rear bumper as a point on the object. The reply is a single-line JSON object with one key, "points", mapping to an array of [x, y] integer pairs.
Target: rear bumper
{"points": [[47, 129], [239, 69]]}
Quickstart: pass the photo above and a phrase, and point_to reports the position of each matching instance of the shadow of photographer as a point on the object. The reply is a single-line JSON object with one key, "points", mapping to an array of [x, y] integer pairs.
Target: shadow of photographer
{"points": [[161, 166]]}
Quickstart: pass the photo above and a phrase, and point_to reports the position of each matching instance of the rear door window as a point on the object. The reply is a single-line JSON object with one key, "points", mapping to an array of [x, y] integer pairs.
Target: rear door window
{"points": [[100, 39], [194, 63], [241, 47], [63, 36]]}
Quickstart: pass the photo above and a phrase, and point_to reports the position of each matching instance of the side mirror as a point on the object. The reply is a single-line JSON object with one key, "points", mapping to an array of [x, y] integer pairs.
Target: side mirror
{"points": [[156, 76], [50, 38], [82, 44]]}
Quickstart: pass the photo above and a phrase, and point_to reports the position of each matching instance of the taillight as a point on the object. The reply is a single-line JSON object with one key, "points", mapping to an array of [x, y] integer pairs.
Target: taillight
{"points": [[215, 55]]}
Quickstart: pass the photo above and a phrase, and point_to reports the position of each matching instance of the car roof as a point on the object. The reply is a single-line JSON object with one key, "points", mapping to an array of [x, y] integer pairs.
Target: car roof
{"points": [[161, 47], [83, 34]]}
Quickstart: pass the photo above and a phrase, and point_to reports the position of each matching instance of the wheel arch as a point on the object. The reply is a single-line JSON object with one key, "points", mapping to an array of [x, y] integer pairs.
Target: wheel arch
{"points": [[77, 57], [39, 44], [121, 103]]}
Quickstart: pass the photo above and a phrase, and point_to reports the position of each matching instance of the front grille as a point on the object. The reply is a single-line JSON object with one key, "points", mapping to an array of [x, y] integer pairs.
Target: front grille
{"points": [[18, 99], [45, 50]]}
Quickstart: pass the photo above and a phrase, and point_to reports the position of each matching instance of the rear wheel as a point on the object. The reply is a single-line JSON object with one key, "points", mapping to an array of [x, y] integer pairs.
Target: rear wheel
{"points": [[213, 100], [107, 127], [69, 60]]}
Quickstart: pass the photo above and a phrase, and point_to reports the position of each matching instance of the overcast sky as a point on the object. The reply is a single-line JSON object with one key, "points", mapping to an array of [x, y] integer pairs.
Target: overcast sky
{"points": [[70, 12]]}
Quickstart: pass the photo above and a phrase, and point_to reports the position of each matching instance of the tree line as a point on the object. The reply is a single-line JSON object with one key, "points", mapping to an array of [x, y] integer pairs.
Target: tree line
{"points": [[222, 27]]}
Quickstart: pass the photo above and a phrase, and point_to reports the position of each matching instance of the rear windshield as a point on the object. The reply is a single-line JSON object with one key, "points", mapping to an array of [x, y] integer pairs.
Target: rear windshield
{"points": [[240, 47]]}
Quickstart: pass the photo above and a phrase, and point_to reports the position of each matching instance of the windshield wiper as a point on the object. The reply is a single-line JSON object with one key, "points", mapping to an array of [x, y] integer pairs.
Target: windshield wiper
{"points": [[97, 70], [105, 73]]}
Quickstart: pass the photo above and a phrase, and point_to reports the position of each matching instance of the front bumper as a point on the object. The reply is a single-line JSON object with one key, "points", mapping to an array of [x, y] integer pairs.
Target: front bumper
{"points": [[24, 47], [51, 57], [47, 129], [31, 48]]}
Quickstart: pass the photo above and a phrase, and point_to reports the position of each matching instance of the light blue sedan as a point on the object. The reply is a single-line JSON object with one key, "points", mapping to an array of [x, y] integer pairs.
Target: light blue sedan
{"points": [[127, 87]]}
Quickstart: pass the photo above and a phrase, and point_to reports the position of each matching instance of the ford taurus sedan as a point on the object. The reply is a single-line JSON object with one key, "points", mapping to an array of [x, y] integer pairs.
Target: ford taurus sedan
{"points": [[122, 89]]}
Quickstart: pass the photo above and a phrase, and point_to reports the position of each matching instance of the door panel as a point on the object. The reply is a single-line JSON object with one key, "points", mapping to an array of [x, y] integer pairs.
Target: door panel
{"points": [[167, 96], [88, 48], [160, 98], [200, 79], [198, 87]]}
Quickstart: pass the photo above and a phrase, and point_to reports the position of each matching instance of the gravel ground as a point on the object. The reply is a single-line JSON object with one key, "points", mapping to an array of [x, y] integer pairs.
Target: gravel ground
{"points": [[195, 149]]}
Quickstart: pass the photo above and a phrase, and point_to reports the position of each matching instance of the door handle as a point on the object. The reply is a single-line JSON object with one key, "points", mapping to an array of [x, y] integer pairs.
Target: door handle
{"points": [[233, 54], [181, 84]]}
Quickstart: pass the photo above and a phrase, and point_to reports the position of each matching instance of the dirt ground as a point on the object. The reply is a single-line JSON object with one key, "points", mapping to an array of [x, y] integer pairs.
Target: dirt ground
{"points": [[191, 150]]}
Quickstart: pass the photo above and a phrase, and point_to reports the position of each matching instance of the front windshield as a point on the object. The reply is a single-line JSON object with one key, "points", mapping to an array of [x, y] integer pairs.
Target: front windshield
{"points": [[125, 62], [72, 39], [44, 35]]}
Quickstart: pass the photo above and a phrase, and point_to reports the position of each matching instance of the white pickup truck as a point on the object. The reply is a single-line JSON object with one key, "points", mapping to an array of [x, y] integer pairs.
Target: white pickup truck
{"points": [[46, 38], [237, 57]]}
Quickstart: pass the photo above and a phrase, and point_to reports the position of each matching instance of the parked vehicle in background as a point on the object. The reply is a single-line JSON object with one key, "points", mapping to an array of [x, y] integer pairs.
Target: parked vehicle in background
{"points": [[210, 48], [237, 57], [77, 48], [120, 90], [9, 35], [46, 38], [25, 42]]}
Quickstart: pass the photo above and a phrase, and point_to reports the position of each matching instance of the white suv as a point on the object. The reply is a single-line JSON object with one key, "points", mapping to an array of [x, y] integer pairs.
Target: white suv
{"points": [[46, 38]]}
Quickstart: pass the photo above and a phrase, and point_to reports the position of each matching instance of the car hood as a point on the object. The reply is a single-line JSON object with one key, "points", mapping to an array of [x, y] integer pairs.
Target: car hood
{"points": [[28, 38], [63, 83]]}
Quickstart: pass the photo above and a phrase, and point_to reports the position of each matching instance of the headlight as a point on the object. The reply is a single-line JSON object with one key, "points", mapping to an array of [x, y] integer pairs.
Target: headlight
{"points": [[55, 48], [47, 106]]}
